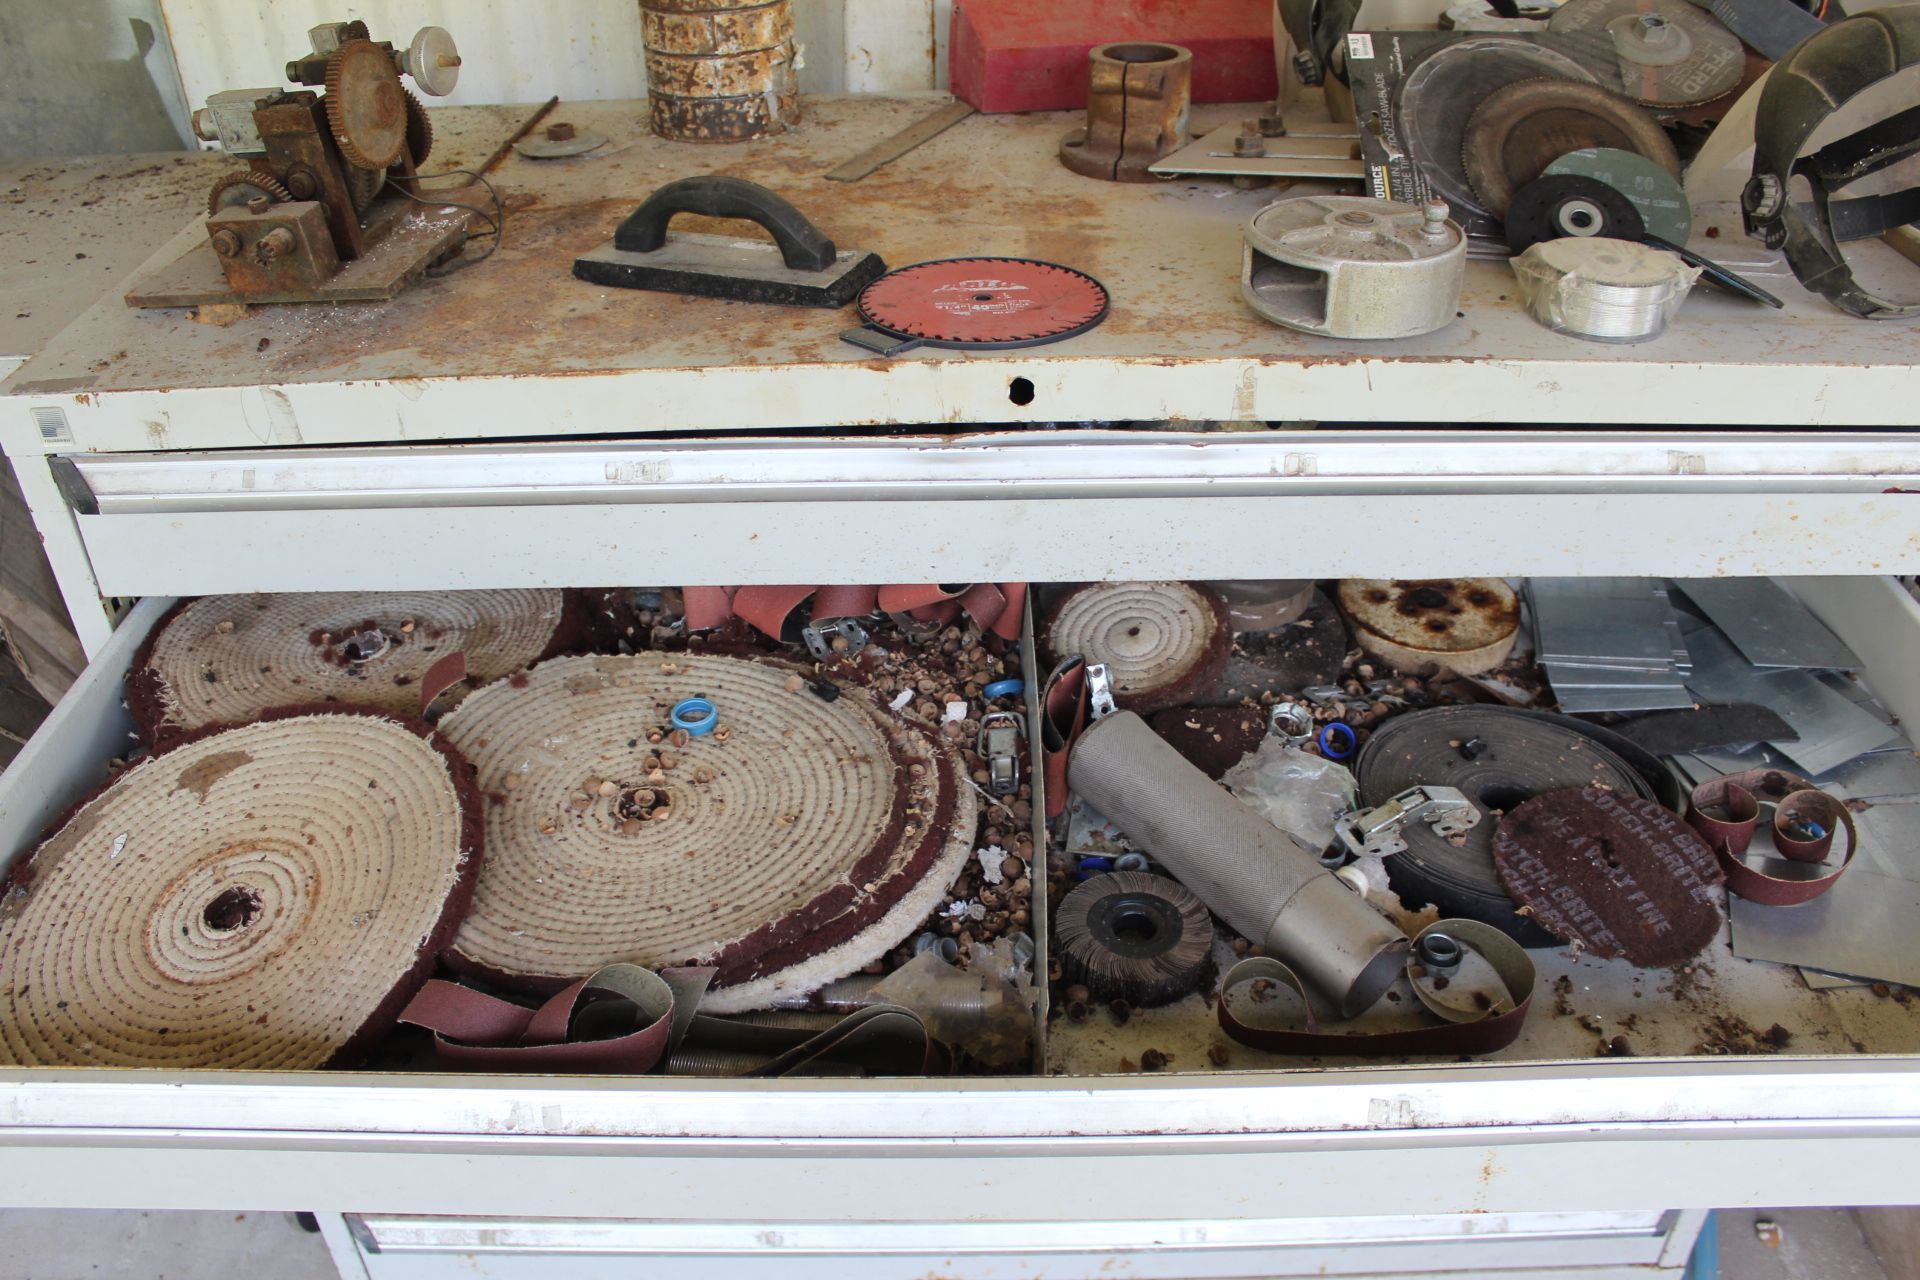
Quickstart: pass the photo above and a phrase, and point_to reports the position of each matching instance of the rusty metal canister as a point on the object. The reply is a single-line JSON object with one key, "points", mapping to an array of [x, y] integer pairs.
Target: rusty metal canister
{"points": [[719, 70], [1138, 97]]}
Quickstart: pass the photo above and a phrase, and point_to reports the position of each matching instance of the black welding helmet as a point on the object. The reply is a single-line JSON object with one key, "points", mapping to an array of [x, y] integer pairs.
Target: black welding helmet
{"points": [[1821, 75]]}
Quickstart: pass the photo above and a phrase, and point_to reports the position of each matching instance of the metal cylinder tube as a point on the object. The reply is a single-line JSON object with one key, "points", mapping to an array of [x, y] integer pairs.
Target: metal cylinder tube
{"points": [[720, 70], [1248, 871], [1138, 97]]}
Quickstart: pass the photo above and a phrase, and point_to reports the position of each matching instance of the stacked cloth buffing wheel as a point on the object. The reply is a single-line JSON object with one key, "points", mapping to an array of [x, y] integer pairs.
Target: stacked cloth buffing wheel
{"points": [[1163, 643], [798, 840], [263, 897], [225, 659], [1462, 625]]}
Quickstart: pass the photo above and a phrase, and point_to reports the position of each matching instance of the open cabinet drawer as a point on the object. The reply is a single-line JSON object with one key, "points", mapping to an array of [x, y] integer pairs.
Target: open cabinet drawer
{"points": [[1574, 1162]]}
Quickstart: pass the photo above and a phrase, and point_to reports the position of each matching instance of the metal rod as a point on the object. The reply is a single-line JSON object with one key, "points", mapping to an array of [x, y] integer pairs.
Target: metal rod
{"points": [[501, 152]]}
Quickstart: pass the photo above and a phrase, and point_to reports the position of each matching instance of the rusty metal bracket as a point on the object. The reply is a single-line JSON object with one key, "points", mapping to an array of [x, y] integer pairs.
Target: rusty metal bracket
{"points": [[1375, 833]]}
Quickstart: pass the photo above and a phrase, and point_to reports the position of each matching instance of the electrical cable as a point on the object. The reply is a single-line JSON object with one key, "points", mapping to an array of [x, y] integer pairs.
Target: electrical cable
{"points": [[496, 221]]}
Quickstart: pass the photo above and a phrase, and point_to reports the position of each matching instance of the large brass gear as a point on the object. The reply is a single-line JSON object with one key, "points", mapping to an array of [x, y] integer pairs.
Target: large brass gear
{"points": [[236, 189], [366, 106], [419, 130]]}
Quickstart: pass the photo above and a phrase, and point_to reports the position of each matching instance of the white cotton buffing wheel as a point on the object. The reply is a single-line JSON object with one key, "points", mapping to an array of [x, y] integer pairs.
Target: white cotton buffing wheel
{"points": [[1463, 625], [1163, 643], [225, 659], [265, 897], [799, 840]]}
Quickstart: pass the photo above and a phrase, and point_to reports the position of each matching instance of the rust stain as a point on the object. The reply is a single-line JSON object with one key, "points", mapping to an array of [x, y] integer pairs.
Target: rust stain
{"points": [[200, 776]]}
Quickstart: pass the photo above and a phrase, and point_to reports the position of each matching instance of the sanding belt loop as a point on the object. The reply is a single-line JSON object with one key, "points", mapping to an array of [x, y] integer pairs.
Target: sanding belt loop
{"points": [[625, 1020], [997, 607], [1729, 837], [1485, 1035], [1065, 704]]}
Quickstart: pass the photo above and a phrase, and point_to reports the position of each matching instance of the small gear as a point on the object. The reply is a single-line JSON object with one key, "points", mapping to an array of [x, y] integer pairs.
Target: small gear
{"points": [[363, 185], [419, 131], [366, 107], [237, 189]]}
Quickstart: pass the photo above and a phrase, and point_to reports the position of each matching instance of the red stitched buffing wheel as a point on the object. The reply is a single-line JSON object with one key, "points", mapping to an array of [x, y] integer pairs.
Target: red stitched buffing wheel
{"points": [[984, 302]]}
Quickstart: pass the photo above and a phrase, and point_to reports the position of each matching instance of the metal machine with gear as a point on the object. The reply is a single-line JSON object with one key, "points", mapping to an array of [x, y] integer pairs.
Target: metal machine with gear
{"points": [[329, 207]]}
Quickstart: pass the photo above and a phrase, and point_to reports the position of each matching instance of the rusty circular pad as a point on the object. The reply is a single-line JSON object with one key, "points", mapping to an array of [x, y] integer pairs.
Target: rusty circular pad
{"points": [[1616, 874], [1516, 132], [985, 302]]}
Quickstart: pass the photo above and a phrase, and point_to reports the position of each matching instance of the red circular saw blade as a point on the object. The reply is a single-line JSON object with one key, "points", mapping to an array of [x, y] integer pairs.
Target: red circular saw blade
{"points": [[984, 302]]}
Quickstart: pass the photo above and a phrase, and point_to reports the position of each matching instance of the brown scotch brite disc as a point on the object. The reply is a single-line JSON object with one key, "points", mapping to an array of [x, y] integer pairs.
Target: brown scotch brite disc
{"points": [[263, 897], [225, 659], [1619, 875], [1163, 643], [797, 841]]}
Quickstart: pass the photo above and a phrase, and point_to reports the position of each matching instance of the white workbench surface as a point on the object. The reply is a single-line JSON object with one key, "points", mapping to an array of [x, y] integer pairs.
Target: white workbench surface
{"points": [[516, 346]]}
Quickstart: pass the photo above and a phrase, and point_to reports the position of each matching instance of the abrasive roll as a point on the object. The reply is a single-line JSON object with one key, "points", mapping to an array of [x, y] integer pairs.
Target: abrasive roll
{"points": [[1242, 866]]}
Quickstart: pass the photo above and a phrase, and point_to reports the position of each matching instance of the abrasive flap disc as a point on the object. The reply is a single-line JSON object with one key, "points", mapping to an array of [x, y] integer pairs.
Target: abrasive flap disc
{"points": [[798, 840], [222, 659], [1163, 643], [264, 897]]}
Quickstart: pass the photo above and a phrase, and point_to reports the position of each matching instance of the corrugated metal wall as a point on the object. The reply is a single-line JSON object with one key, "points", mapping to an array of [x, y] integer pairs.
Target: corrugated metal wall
{"points": [[528, 50], [86, 77]]}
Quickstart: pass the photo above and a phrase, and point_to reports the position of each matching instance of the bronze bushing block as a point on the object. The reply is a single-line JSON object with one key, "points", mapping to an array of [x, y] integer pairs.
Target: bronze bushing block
{"points": [[1138, 97]]}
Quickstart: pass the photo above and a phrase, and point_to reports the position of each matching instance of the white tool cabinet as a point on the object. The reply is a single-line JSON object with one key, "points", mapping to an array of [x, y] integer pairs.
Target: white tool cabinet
{"points": [[512, 427]]}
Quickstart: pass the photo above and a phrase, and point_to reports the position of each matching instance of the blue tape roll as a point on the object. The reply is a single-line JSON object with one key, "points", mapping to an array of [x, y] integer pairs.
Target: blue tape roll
{"points": [[1343, 733], [1092, 865], [696, 715], [1004, 688]]}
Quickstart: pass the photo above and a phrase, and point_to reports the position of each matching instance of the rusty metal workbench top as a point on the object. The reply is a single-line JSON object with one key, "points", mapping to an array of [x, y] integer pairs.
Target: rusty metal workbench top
{"points": [[515, 346]]}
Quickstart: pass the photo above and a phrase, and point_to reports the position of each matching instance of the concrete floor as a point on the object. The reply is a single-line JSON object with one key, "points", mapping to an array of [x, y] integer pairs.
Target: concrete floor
{"points": [[1814, 1244], [89, 1244], [39, 1244]]}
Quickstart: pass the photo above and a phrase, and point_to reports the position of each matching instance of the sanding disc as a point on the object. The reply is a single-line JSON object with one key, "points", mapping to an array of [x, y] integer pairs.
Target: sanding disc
{"points": [[1653, 191], [1499, 758], [1618, 875], [1463, 625], [265, 897], [1162, 642], [222, 659], [1440, 91], [984, 302], [1559, 205], [1663, 53], [797, 841], [1518, 131], [1133, 936]]}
